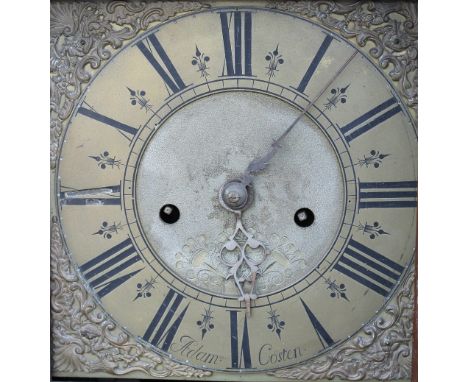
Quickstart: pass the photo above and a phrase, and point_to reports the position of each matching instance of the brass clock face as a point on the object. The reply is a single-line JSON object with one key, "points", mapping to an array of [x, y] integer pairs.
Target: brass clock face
{"points": [[204, 234]]}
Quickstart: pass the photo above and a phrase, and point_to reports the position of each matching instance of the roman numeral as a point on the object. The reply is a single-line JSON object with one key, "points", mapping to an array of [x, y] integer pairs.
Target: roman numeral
{"points": [[168, 73], [369, 268], [240, 358], [108, 121], [314, 64], [388, 194], [322, 334], [100, 271], [163, 328], [102, 196], [371, 119], [238, 64]]}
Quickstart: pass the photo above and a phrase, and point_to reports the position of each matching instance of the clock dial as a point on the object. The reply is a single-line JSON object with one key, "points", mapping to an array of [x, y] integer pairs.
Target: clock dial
{"points": [[153, 169]]}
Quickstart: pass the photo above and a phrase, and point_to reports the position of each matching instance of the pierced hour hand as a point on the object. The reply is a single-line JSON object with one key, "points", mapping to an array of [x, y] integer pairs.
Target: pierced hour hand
{"points": [[259, 164], [243, 254]]}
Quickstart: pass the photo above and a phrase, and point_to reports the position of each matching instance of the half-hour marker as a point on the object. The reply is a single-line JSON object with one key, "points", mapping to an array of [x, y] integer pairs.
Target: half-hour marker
{"points": [[371, 119], [314, 64], [239, 63], [388, 194], [240, 355], [106, 120], [163, 327], [101, 196], [369, 268], [168, 73], [322, 334], [105, 272]]}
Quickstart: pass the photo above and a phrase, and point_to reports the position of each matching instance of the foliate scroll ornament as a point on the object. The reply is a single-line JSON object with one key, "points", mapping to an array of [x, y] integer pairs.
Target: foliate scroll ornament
{"points": [[380, 350], [85, 339], [83, 35], [388, 28]]}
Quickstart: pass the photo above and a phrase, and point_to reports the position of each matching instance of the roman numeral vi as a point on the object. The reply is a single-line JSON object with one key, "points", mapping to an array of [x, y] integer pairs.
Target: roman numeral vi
{"points": [[240, 355]]}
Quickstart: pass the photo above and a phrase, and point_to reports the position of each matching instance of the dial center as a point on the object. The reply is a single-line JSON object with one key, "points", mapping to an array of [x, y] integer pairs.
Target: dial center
{"points": [[195, 161], [234, 195]]}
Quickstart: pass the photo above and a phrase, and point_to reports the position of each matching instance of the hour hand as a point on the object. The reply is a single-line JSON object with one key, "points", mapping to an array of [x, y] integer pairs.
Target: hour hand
{"points": [[241, 266]]}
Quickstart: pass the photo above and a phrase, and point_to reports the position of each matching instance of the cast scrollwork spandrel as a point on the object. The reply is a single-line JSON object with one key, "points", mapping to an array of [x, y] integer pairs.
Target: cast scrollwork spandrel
{"points": [[85, 339], [380, 350], [389, 30]]}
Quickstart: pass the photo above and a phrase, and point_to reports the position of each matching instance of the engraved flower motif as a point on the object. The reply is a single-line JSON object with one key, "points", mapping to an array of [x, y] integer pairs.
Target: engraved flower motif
{"points": [[199, 262], [285, 252], [276, 324], [282, 263]]}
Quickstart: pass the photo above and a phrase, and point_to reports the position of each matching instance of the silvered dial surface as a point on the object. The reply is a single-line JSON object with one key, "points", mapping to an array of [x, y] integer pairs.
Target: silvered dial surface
{"points": [[185, 109], [213, 139]]}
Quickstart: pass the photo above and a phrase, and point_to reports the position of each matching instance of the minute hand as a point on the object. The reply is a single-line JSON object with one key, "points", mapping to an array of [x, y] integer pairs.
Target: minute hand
{"points": [[259, 164]]}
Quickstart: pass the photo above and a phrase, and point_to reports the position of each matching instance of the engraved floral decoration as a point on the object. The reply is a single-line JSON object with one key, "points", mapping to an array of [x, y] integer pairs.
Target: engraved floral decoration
{"points": [[105, 160], [144, 288], [274, 59], [243, 255], [206, 323], [201, 61], [275, 324], [85, 339], [388, 29], [138, 97], [285, 260], [336, 290], [83, 35], [337, 95], [106, 230], [374, 159], [371, 230], [199, 262]]}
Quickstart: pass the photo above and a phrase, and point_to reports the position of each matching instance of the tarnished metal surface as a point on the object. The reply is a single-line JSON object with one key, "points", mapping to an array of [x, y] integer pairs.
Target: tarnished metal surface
{"points": [[211, 141]]}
